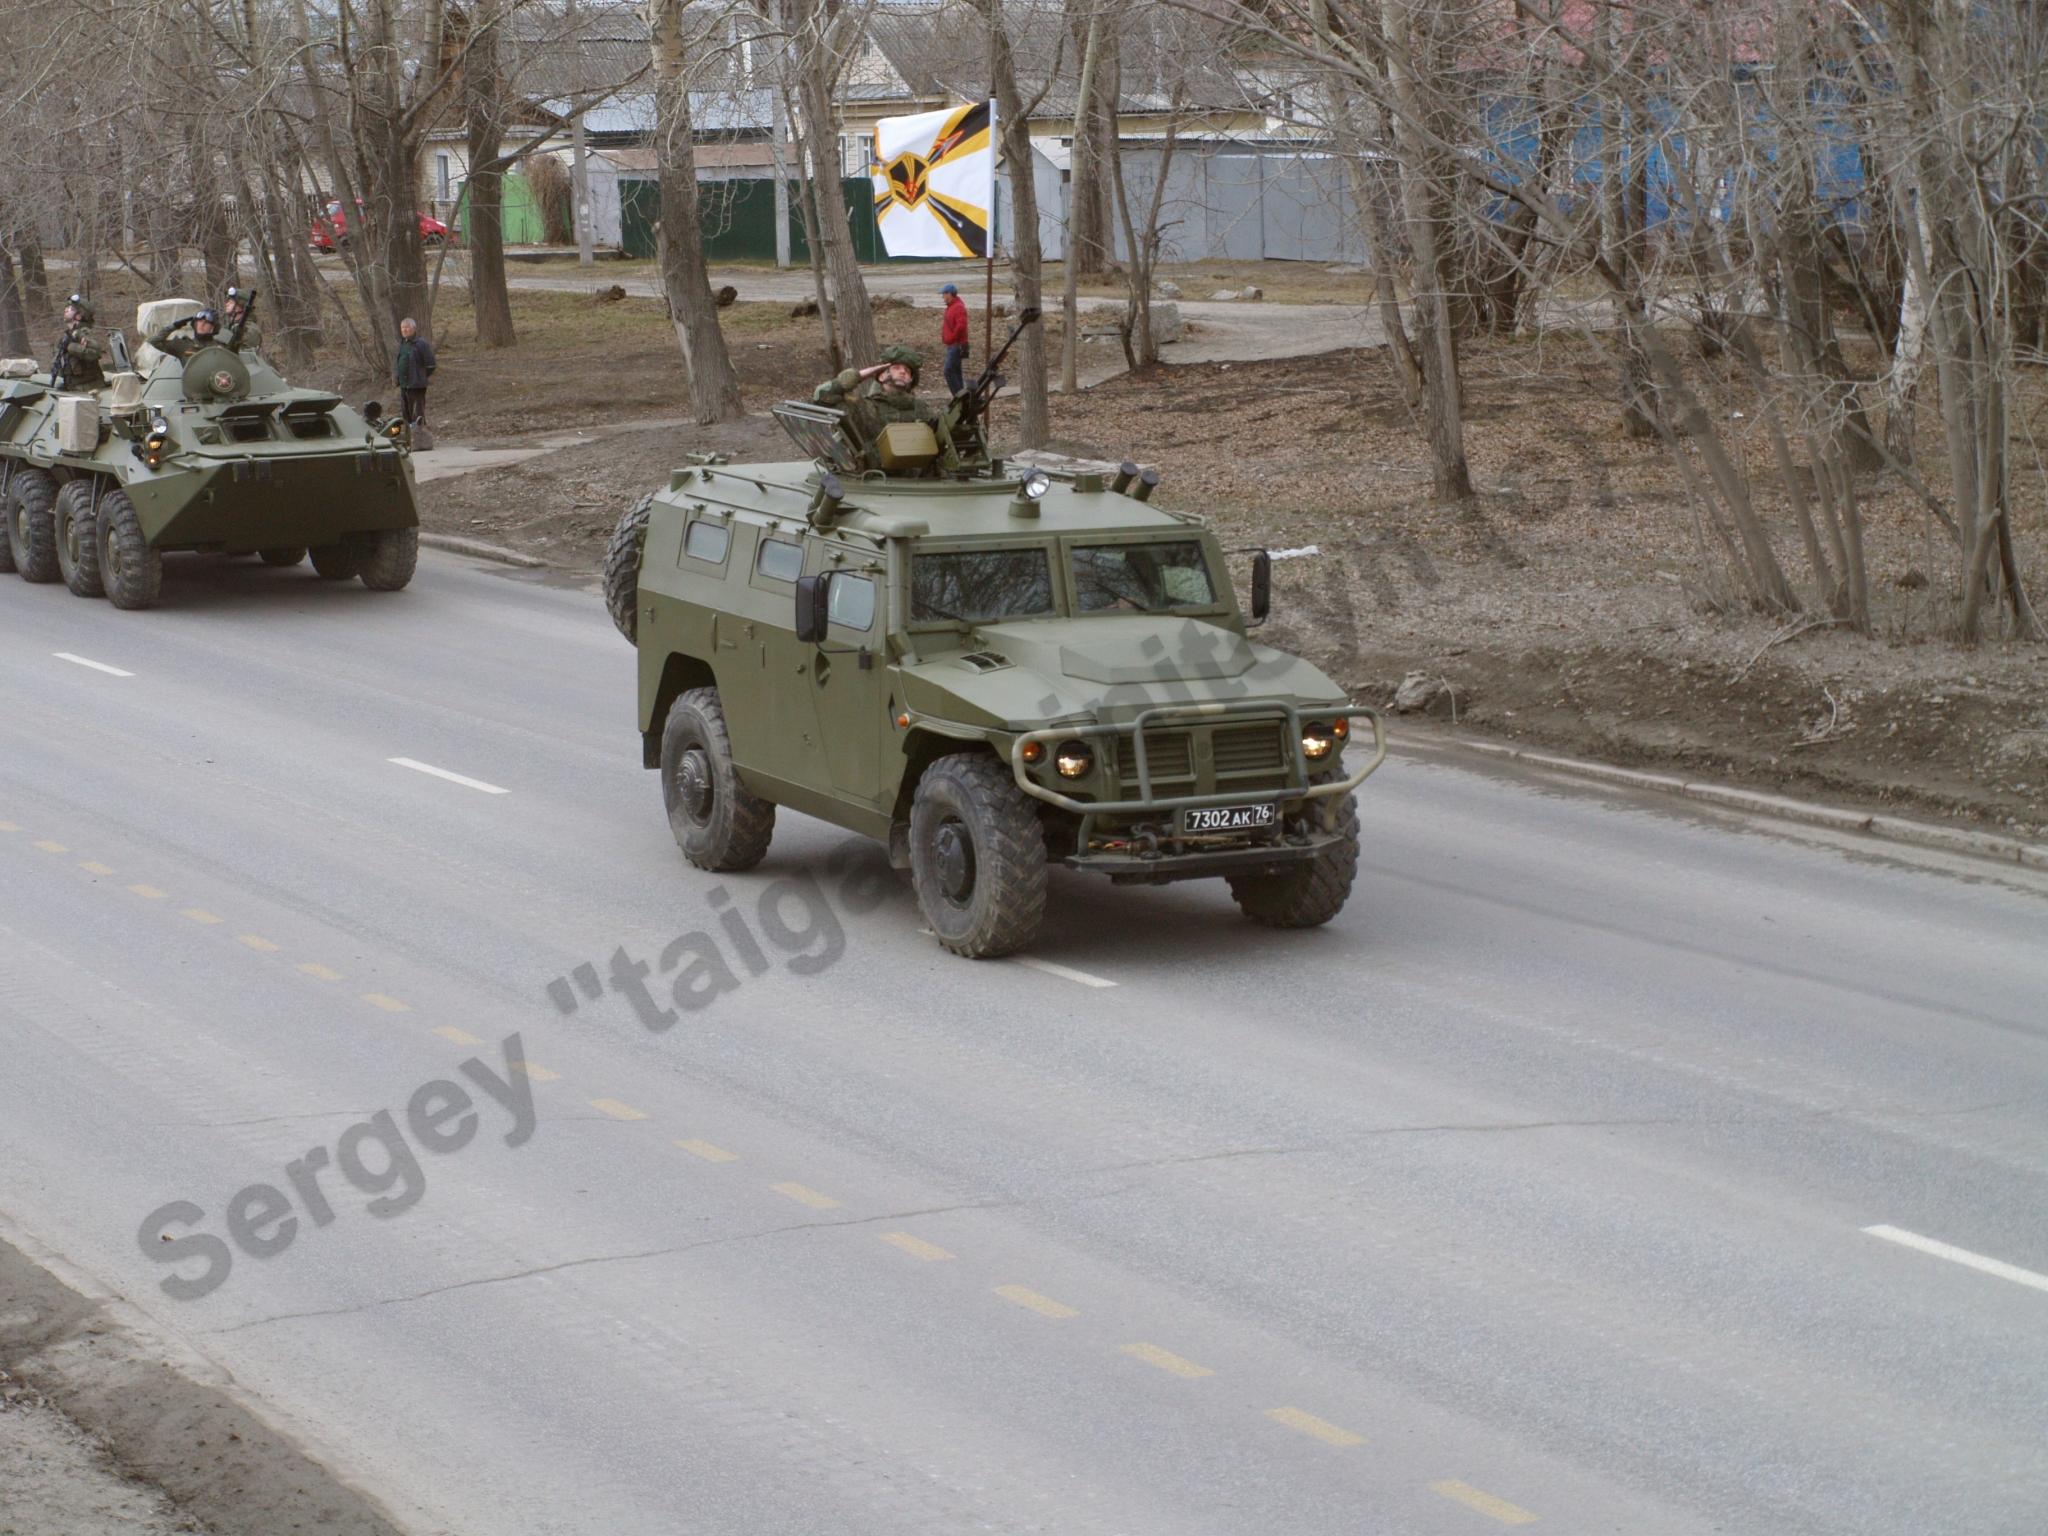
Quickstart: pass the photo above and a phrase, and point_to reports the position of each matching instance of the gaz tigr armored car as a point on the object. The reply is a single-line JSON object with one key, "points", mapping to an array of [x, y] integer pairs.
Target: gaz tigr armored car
{"points": [[215, 453], [992, 669]]}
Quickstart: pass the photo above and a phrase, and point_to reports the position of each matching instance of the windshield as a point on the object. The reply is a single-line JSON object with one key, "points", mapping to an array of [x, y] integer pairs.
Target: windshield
{"points": [[976, 584], [1142, 578]]}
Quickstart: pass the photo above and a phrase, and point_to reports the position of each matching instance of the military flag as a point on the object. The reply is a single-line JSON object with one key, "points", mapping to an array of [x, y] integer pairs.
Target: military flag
{"points": [[935, 181]]}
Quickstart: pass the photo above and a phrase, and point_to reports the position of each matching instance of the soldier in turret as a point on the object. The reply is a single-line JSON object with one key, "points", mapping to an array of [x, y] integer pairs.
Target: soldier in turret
{"points": [[879, 396], [205, 328], [241, 332], [77, 363]]}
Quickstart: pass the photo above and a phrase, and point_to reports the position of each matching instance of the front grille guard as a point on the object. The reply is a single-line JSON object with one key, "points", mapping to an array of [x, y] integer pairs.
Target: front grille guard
{"points": [[1299, 787]]}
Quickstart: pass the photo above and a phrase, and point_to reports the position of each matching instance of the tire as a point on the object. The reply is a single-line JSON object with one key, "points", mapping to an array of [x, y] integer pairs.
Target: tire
{"points": [[283, 558], [31, 525], [977, 857], [1309, 894], [622, 568], [388, 559], [337, 562], [131, 572], [718, 822], [78, 539]]}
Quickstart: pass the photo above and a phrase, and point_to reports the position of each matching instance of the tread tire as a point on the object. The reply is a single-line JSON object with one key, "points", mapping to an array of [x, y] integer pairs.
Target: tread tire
{"points": [[131, 572], [734, 831], [1006, 906], [31, 525], [388, 558], [6, 543], [1309, 894], [78, 539], [622, 568], [283, 558], [337, 562]]}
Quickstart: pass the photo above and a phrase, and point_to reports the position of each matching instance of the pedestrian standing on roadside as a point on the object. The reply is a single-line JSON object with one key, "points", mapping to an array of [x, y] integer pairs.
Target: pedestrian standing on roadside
{"points": [[414, 367], [953, 337]]}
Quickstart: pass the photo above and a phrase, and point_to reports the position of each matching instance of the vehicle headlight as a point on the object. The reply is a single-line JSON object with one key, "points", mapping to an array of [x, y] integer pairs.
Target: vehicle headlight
{"points": [[1318, 741], [1074, 760]]}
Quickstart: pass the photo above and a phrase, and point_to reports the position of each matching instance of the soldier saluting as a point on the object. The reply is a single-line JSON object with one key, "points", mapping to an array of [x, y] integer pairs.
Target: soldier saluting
{"points": [[77, 363], [205, 328], [880, 396]]}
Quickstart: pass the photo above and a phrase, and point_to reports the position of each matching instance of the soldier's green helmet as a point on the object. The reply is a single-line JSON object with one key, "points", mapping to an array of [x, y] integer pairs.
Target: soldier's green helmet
{"points": [[83, 305], [909, 357]]}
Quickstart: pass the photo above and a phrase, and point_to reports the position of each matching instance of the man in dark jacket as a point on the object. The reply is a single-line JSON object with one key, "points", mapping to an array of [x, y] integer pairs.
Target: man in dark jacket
{"points": [[953, 336], [414, 367]]}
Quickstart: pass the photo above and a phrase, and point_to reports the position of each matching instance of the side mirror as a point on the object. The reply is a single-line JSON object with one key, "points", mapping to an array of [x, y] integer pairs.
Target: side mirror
{"points": [[811, 607], [1262, 586]]}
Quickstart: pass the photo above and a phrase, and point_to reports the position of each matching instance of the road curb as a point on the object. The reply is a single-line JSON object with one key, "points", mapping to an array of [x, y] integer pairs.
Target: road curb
{"points": [[1892, 829], [455, 544]]}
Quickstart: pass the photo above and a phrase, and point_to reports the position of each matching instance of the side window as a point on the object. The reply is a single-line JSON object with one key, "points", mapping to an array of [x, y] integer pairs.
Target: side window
{"points": [[780, 560], [707, 542], [851, 602]]}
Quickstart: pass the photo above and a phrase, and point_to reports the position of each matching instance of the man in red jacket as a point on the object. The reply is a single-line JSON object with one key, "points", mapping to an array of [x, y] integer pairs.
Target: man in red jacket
{"points": [[953, 337]]}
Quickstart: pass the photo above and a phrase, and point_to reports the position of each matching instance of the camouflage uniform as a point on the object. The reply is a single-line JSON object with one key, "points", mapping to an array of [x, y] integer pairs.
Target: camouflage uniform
{"points": [[874, 406], [77, 363], [240, 335], [182, 347]]}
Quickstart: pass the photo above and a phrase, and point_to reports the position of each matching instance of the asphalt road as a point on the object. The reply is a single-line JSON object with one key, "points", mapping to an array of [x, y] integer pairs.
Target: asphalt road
{"points": [[1536, 1188]]}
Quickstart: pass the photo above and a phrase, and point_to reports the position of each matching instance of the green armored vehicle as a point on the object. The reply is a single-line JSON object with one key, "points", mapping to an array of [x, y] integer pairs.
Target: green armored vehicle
{"points": [[991, 670], [214, 453]]}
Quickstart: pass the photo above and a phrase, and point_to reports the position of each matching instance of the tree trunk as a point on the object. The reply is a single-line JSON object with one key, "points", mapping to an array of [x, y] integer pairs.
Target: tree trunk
{"points": [[483, 94], [817, 70], [1089, 240], [685, 276], [1027, 265], [13, 321], [1079, 192]]}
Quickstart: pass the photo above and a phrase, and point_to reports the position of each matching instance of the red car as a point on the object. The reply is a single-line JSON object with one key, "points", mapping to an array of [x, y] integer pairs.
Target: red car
{"points": [[330, 229]]}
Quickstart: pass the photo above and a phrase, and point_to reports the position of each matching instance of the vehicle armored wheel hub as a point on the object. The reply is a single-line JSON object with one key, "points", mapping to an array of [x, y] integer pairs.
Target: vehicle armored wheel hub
{"points": [[955, 850], [74, 540], [693, 783]]}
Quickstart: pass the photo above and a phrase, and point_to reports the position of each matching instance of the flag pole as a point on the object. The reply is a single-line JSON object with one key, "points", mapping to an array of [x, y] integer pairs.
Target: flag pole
{"points": [[988, 303]]}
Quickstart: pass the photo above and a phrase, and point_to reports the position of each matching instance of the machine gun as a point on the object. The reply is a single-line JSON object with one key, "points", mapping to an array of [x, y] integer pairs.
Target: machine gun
{"points": [[960, 426]]}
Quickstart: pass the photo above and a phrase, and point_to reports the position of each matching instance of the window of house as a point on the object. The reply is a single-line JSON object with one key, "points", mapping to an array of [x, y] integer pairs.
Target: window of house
{"points": [[441, 176]]}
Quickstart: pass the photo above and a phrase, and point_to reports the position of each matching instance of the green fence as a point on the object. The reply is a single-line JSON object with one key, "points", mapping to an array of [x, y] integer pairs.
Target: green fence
{"points": [[739, 218], [519, 213]]}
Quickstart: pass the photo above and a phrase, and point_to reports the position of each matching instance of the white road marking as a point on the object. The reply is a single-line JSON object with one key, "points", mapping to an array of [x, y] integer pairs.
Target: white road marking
{"points": [[97, 666], [1064, 972], [452, 778], [1963, 1256]]}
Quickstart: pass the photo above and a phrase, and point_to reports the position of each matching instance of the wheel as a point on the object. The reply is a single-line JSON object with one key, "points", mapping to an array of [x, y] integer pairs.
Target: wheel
{"points": [[337, 562], [78, 539], [388, 558], [718, 822], [977, 857], [6, 542], [622, 568], [130, 570], [31, 525], [1308, 894], [283, 557]]}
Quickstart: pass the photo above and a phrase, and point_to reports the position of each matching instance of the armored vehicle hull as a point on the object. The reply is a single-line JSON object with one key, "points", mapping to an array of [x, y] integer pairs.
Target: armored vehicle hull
{"points": [[992, 673], [215, 454]]}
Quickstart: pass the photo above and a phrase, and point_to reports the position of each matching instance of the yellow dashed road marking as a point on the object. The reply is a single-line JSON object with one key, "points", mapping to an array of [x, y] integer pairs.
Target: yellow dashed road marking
{"points": [[1044, 1305], [803, 1194], [94, 867], [1309, 1424], [916, 1247], [388, 1004], [149, 892], [538, 1073], [459, 1036], [1485, 1503], [49, 847], [201, 915], [1167, 1361], [708, 1152], [617, 1110], [319, 972], [8, 826], [261, 946]]}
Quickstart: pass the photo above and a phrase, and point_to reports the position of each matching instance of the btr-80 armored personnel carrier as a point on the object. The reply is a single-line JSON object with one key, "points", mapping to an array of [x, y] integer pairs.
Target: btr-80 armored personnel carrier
{"points": [[215, 453], [991, 669]]}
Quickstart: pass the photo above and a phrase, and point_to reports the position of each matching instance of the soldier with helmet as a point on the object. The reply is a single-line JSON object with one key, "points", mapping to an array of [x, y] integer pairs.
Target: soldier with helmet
{"points": [[879, 396], [77, 363], [239, 330], [205, 328]]}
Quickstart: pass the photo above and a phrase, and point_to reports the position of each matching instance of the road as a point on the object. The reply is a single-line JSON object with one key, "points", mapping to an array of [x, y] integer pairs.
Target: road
{"points": [[1537, 1187]]}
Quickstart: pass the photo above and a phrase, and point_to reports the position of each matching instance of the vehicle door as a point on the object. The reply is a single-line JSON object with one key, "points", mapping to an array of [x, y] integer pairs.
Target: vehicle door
{"points": [[849, 692]]}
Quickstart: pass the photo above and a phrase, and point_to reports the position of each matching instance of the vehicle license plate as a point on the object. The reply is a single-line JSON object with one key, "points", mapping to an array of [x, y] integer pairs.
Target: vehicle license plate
{"points": [[1227, 818]]}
